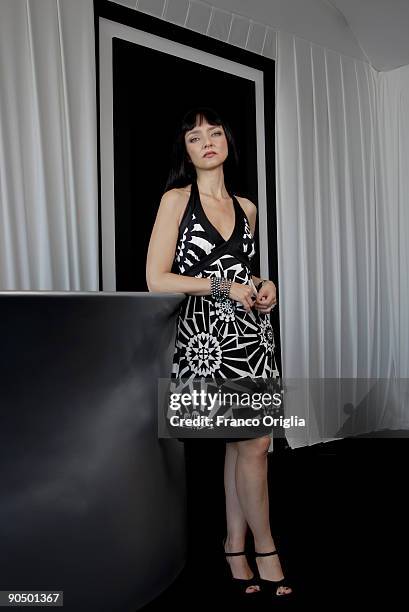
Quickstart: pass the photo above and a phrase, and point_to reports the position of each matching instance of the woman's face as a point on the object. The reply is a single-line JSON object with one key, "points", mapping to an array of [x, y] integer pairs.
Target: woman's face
{"points": [[203, 139]]}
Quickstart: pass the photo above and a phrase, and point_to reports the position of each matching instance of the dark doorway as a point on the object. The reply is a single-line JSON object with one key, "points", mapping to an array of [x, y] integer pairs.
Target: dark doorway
{"points": [[151, 92]]}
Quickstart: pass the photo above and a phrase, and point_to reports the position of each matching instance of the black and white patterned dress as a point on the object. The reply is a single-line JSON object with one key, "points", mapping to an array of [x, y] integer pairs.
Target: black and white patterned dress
{"points": [[219, 339]]}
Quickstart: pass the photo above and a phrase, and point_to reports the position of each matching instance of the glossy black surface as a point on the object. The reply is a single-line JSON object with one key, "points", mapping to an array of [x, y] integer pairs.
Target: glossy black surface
{"points": [[91, 502]]}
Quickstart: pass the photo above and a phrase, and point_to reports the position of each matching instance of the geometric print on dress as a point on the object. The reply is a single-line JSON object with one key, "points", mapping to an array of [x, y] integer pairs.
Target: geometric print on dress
{"points": [[192, 246], [248, 241], [211, 347], [211, 342]]}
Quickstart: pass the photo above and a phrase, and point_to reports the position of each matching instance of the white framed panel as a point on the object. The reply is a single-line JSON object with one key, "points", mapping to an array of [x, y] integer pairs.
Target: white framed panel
{"points": [[109, 30]]}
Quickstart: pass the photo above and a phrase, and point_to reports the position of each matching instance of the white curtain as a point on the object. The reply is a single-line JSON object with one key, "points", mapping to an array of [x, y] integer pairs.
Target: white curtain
{"points": [[48, 168], [342, 187], [392, 183]]}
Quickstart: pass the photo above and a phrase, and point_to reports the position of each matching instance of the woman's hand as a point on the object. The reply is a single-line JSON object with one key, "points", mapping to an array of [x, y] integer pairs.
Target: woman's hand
{"points": [[245, 294], [266, 297]]}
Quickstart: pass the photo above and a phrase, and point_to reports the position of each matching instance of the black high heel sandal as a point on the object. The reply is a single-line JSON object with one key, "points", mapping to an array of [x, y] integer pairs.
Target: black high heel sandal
{"points": [[241, 584], [271, 586]]}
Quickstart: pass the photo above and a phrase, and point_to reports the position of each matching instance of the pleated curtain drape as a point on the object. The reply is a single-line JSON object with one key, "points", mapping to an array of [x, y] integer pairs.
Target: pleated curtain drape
{"points": [[326, 213], [392, 188], [343, 216], [342, 151], [48, 150]]}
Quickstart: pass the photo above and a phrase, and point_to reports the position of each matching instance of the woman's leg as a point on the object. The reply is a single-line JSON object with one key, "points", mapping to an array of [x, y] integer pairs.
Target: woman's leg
{"points": [[252, 495], [235, 519]]}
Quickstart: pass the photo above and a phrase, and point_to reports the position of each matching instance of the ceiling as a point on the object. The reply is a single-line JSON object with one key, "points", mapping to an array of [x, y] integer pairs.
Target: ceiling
{"points": [[381, 28], [374, 30]]}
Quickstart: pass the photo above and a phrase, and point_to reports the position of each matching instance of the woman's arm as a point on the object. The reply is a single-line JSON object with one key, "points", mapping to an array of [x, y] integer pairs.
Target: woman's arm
{"points": [[161, 252]]}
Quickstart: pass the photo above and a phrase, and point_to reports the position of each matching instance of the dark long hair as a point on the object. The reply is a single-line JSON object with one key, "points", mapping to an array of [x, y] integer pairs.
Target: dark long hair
{"points": [[183, 172]]}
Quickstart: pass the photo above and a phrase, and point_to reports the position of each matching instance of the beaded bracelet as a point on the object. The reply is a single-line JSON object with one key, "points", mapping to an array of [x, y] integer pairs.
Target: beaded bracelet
{"points": [[215, 287], [226, 284], [220, 287]]}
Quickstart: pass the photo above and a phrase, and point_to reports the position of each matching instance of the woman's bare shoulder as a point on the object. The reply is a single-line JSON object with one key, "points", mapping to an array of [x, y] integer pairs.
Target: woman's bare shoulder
{"points": [[250, 210], [247, 205], [176, 200]]}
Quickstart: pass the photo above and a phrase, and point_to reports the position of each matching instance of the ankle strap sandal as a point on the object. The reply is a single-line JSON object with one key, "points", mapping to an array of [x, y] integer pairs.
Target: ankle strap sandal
{"points": [[271, 586], [242, 584]]}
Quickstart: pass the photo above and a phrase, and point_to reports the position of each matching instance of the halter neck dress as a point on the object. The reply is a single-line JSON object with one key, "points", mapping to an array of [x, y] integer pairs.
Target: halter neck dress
{"points": [[215, 338]]}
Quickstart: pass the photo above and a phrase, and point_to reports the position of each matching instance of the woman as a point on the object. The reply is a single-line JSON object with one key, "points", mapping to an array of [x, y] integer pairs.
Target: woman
{"points": [[202, 235]]}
